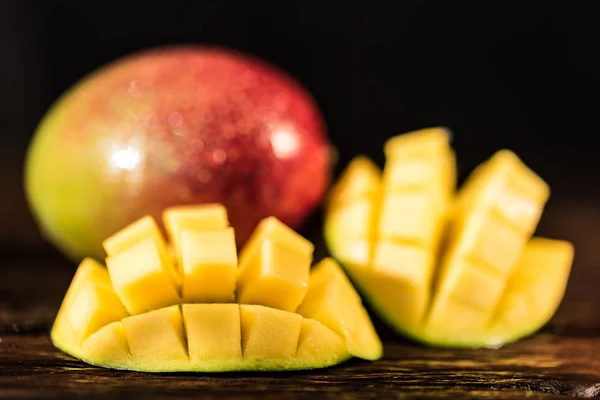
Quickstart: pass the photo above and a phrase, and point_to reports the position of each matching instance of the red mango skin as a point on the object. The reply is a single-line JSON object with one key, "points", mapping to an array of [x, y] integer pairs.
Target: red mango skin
{"points": [[170, 126]]}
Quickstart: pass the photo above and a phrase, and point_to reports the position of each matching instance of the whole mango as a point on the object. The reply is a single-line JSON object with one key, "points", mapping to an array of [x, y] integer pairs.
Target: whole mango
{"points": [[173, 126]]}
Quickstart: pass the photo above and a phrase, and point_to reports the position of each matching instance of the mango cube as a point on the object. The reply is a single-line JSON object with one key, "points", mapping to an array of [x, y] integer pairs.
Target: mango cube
{"points": [[92, 308], [411, 216], [213, 331], [271, 228], [542, 257], [408, 262], [143, 229], [328, 271], [209, 265], [422, 142], [546, 263], [91, 302], [420, 160], [493, 242], [141, 279], [90, 270], [435, 174], [354, 220], [268, 332], [477, 287], [353, 253], [359, 180], [203, 217], [507, 186], [316, 339], [391, 287], [353, 212], [157, 336], [332, 300], [109, 344], [455, 317], [521, 211], [277, 276], [139, 230]]}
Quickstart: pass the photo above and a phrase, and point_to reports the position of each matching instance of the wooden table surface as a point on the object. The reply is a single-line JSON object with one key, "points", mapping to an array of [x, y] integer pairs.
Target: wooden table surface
{"points": [[562, 359]]}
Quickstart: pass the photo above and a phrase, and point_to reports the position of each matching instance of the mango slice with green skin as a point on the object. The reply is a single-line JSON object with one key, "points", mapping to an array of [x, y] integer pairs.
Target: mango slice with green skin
{"points": [[447, 269], [160, 307]]}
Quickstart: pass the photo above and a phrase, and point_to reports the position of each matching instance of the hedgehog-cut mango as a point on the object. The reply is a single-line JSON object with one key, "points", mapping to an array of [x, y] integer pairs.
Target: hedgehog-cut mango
{"points": [[447, 268], [192, 305]]}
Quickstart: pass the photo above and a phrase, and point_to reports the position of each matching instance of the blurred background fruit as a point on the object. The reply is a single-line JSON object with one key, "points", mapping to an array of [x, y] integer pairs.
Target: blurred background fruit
{"points": [[175, 125]]}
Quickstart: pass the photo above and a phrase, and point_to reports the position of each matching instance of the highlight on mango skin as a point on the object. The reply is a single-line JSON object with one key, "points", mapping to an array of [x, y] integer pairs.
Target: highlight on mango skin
{"points": [[191, 304], [445, 267]]}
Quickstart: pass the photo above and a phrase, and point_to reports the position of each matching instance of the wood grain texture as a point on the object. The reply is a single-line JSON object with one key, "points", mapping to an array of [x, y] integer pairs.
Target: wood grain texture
{"points": [[562, 359]]}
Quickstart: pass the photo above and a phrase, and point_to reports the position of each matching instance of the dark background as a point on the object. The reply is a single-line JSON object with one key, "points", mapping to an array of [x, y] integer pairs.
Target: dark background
{"points": [[520, 75]]}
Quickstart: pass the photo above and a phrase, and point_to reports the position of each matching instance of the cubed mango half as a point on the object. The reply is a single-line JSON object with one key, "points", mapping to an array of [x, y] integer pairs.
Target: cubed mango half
{"points": [[134, 315], [446, 268]]}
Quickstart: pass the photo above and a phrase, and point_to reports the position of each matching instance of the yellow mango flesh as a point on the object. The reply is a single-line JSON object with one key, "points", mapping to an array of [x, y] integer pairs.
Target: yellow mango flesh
{"points": [[332, 300], [141, 278], [108, 345], [360, 179], [352, 210], [90, 302], [272, 229], [438, 267], [157, 337], [316, 340], [484, 246], [406, 225], [209, 265], [204, 217], [430, 145], [213, 332], [545, 263], [276, 276], [143, 229], [269, 333], [132, 316]]}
